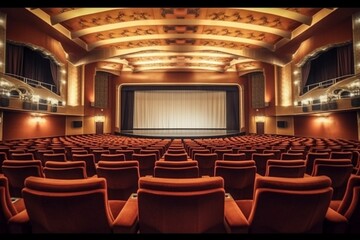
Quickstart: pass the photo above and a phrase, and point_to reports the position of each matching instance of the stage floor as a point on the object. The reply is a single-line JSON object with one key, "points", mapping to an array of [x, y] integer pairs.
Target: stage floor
{"points": [[180, 133]]}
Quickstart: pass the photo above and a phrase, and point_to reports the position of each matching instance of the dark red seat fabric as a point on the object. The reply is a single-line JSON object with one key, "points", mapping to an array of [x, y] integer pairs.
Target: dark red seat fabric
{"points": [[121, 176], [10, 209], [176, 169], [65, 170], [288, 205], [285, 168], [192, 205], [18, 170], [339, 171], [75, 206], [349, 206], [239, 177]]}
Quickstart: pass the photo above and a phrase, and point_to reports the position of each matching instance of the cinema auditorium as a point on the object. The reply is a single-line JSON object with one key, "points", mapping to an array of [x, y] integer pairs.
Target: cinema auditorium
{"points": [[136, 120]]}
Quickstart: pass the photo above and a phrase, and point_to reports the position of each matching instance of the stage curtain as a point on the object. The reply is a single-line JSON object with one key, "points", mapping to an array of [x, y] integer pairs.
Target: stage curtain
{"points": [[127, 109], [178, 109]]}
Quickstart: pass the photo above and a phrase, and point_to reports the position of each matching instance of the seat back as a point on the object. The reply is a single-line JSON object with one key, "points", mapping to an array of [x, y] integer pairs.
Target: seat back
{"points": [[193, 205], [176, 151], [176, 169], [121, 177], [127, 152], [310, 158], [112, 157], [72, 206], [175, 157], [350, 204], [59, 157], [193, 151], [221, 152], [292, 156], [261, 160], [150, 151], [98, 152], [40, 154], [22, 156], [338, 170], [248, 153], [206, 163], [16, 150], [5, 150], [89, 159], [285, 168], [3, 157], [276, 152], [340, 155], [77, 151], [239, 177], [234, 156], [146, 162], [297, 205], [7, 209], [17, 171], [65, 170]]}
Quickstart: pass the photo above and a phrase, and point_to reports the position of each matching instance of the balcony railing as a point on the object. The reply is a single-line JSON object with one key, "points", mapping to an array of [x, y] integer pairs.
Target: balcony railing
{"points": [[325, 84], [35, 83]]}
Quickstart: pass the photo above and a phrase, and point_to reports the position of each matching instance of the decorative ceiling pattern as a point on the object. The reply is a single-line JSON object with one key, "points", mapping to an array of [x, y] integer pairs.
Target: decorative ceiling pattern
{"points": [[181, 39]]}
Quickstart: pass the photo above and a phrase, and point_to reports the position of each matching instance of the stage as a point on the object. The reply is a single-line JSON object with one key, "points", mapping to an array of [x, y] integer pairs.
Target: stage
{"points": [[180, 133]]}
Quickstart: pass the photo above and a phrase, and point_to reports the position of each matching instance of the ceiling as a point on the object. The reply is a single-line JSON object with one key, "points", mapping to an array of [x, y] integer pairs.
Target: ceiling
{"points": [[183, 39]]}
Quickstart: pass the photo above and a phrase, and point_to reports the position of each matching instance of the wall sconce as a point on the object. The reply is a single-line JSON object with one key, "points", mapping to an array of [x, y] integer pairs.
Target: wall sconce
{"points": [[260, 119], [99, 118], [37, 118], [323, 119]]}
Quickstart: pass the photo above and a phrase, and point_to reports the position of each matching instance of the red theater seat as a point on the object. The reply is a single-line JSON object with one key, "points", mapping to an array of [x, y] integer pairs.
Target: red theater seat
{"points": [[75, 206], [192, 205], [288, 205]]}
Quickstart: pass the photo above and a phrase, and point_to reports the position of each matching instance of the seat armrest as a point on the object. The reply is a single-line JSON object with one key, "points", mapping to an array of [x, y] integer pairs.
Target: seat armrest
{"points": [[334, 222], [234, 218], [20, 223], [127, 220]]}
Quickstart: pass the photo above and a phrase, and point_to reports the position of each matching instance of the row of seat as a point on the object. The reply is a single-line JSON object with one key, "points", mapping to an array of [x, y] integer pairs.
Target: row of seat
{"points": [[192, 205], [122, 175]]}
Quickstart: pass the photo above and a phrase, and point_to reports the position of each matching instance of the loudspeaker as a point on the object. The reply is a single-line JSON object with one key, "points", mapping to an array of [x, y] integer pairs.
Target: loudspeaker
{"points": [[332, 105], [281, 124], [76, 124], [53, 108], [43, 107], [324, 106], [315, 107], [30, 106]]}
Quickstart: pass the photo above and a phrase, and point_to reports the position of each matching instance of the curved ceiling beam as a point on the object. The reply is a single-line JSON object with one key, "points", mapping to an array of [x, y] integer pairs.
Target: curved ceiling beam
{"points": [[180, 36], [65, 16], [167, 54], [282, 13], [177, 68], [182, 22], [61, 29], [173, 61], [323, 13], [241, 60], [259, 54]]}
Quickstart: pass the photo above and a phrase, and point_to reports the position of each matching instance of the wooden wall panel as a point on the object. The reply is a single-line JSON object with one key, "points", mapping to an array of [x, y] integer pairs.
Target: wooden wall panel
{"points": [[337, 125], [20, 125]]}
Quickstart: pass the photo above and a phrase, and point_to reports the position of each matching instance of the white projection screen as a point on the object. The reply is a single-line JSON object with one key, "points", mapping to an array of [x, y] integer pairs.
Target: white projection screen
{"points": [[179, 109]]}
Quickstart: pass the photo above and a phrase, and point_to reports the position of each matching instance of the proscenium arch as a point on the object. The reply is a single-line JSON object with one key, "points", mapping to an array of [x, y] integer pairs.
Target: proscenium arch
{"points": [[240, 89]]}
